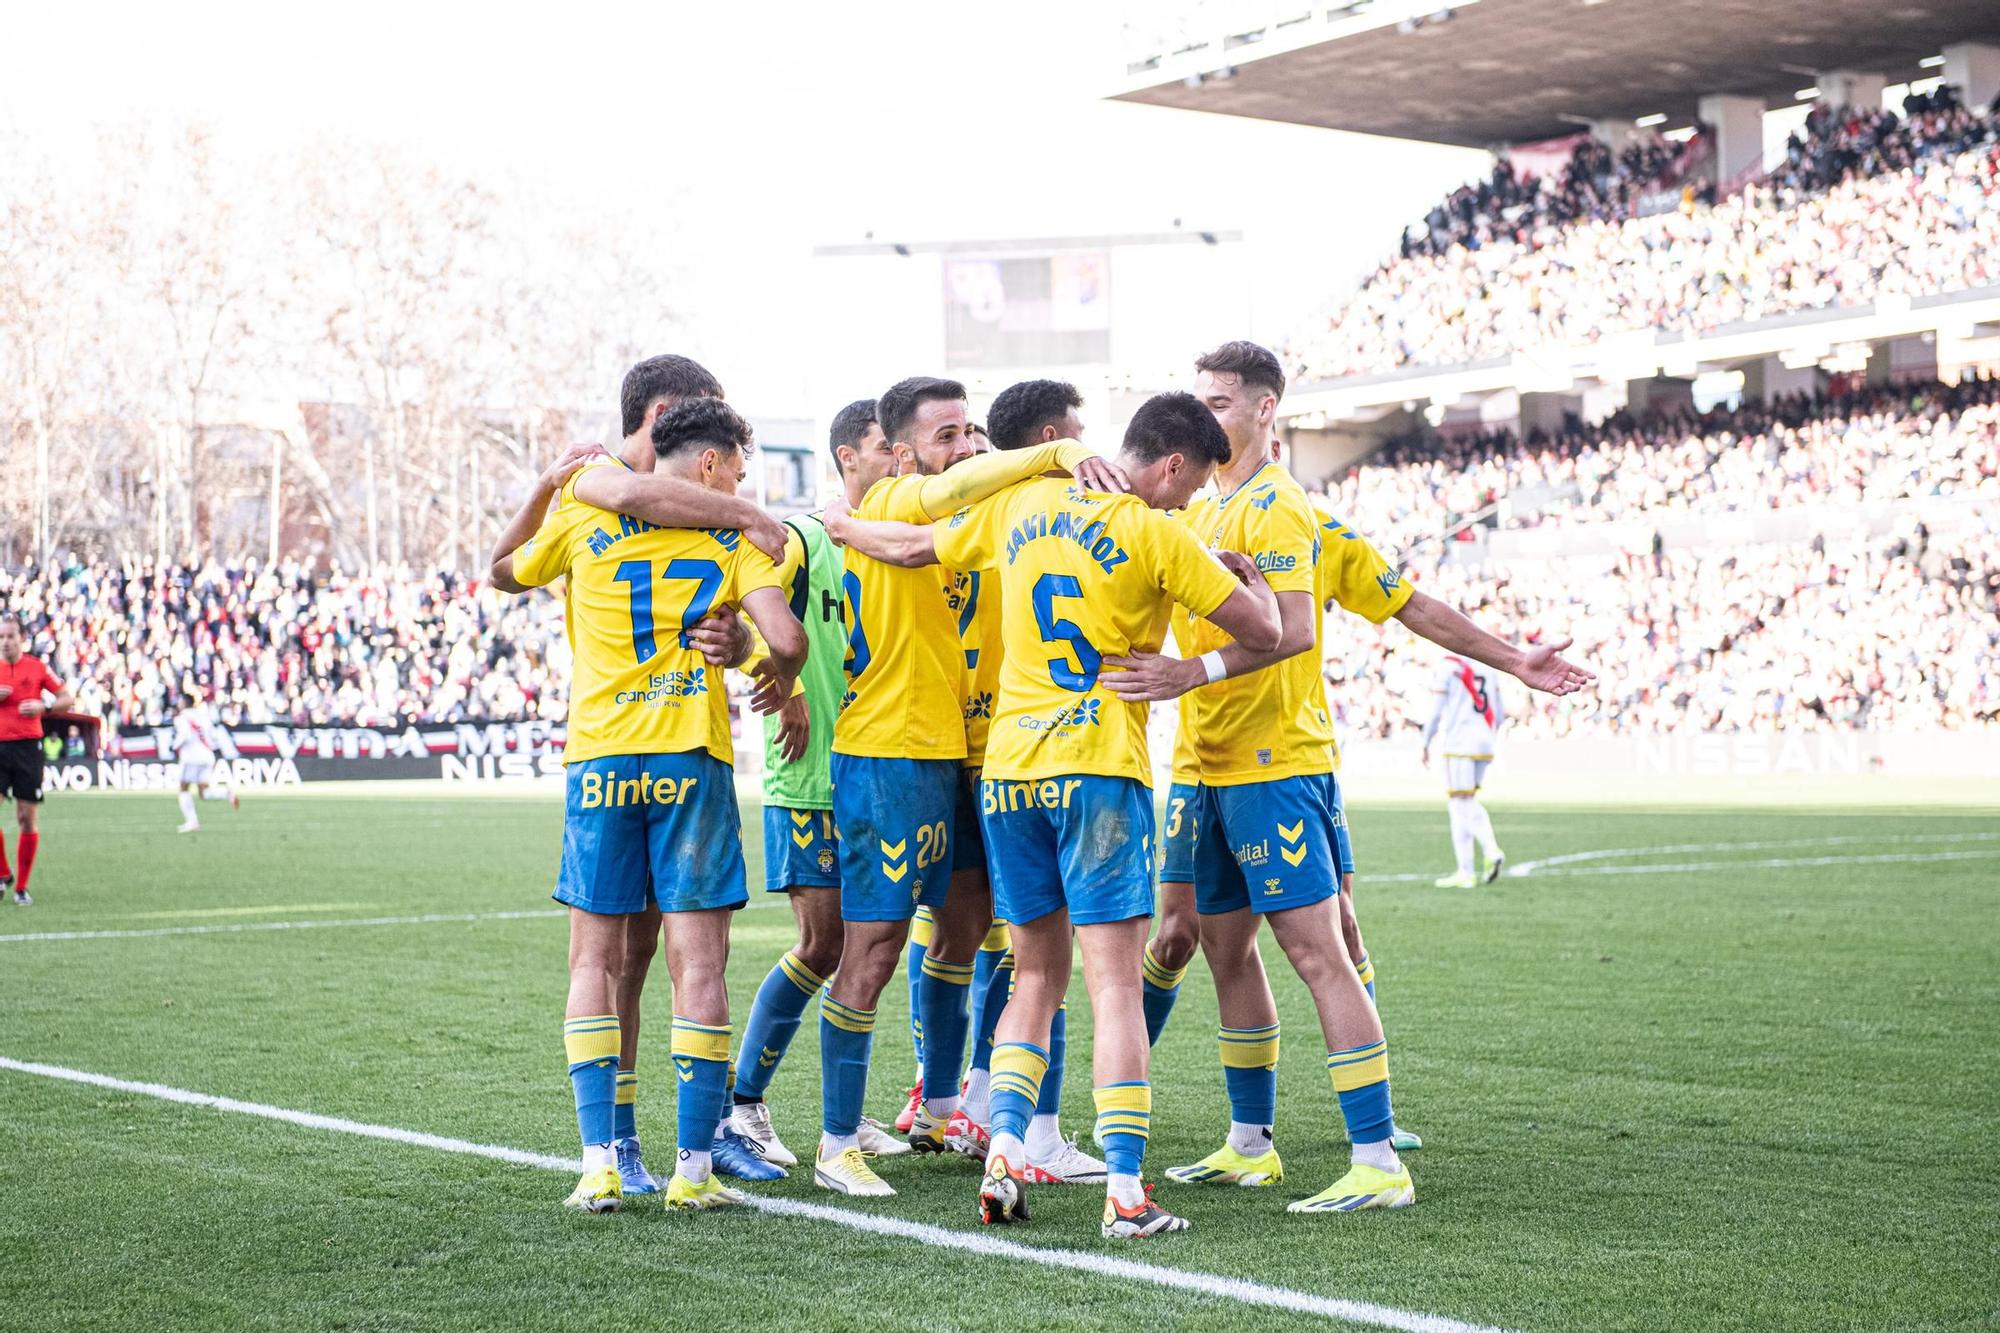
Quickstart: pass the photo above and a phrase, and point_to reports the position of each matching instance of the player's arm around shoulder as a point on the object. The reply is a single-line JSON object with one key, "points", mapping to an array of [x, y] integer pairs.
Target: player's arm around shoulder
{"points": [[535, 520], [672, 502], [891, 541]]}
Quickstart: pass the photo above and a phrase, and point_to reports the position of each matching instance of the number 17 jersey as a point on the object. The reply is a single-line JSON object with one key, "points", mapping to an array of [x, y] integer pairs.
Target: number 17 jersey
{"points": [[1082, 576], [638, 686]]}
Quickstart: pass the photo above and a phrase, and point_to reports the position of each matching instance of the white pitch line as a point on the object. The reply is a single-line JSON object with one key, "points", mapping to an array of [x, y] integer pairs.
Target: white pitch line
{"points": [[1771, 863], [1762, 845], [1239, 1290]]}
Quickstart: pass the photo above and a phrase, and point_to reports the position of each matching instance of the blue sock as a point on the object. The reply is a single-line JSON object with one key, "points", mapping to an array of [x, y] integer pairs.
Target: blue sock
{"points": [[1160, 986], [1365, 969], [1049, 1102], [625, 1114], [701, 1062], [1018, 1068], [1124, 1122], [774, 1020], [1250, 1072], [913, 967], [941, 995], [592, 1046], [845, 1036], [989, 1002], [1361, 1081]]}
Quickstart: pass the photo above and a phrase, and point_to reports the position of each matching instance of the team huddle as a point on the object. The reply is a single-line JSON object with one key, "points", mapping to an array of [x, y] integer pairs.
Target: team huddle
{"points": [[955, 662]]}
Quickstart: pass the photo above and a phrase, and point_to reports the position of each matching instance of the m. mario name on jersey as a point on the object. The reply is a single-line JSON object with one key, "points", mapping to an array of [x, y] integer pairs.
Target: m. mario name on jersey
{"points": [[1091, 536]]}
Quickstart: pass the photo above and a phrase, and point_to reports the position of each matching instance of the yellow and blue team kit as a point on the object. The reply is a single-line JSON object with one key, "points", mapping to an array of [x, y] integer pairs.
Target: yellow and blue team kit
{"points": [[974, 598], [899, 744], [1265, 827], [1065, 796], [649, 761]]}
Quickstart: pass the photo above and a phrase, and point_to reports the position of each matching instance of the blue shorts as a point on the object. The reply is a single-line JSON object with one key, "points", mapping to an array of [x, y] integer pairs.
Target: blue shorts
{"points": [[646, 830], [1177, 835], [1270, 846], [800, 849], [968, 840], [894, 817], [1082, 842]]}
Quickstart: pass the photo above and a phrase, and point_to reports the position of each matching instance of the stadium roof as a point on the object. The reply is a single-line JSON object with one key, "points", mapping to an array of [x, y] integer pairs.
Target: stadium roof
{"points": [[1512, 71]]}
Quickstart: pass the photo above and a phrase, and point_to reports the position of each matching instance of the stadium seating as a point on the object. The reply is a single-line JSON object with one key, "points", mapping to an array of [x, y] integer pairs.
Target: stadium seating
{"points": [[1865, 206]]}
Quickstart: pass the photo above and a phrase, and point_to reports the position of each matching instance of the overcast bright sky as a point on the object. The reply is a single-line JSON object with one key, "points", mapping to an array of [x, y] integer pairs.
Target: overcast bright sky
{"points": [[765, 129]]}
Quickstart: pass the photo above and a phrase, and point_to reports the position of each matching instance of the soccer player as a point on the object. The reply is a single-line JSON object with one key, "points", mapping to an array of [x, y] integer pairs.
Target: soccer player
{"points": [[898, 746], [197, 743], [1066, 795], [801, 853], [625, 483], [27, 691], [1270, 838], [1466, 710], [1023, 415], [651, 815]]}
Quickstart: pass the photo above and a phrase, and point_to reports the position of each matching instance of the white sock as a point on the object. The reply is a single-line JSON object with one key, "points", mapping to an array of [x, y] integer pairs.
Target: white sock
{"points": [[1482, 829], [1009, 1148], [978, 1095], [1378, 1155], [1461, 834], [692, 1165], [1044, 1136], [941, 1107], [1125, 1189], [833, 1145], [596, 1155], [187, 808], [1250, 1140]]}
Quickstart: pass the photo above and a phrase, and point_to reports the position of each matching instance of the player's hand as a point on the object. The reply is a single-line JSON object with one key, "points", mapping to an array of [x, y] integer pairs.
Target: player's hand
{"points": [[721, 637], [1151, 677], [794, 728], [33, 708], [767, 534], [6, 693], [1242, 566], [835, 516], [572, 458], [1101, 474], [1544, 668], [773, 688], [1425, 757]]}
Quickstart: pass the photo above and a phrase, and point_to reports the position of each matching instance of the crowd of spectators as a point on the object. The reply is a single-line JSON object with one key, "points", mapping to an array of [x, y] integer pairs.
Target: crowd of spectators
{"points": [[1867, 205], [1595, 183], [281, 644], [1877, 625]]}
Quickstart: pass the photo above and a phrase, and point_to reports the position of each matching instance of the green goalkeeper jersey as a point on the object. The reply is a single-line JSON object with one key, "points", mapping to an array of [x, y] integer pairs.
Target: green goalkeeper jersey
{"points": [[811, 577]]}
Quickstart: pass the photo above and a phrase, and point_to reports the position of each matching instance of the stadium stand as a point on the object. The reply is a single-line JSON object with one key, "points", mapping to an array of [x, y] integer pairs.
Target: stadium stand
{"points": [[1866, 205]]}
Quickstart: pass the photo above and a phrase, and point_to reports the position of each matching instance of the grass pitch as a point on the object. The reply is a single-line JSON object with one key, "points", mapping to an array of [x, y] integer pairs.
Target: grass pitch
{"points": [[1722, 1069]]}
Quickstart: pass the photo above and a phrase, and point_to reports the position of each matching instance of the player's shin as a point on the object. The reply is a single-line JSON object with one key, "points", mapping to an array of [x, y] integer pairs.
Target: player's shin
{"points": [[990, 1002], [775, 1016], [942, 995], [1250, 1073], [1160, 989], [1360, 1078], [1044, 1131], [1124, 1120], [625, 1110], [846, 1036], [701, 1068], [1018, 1070], [30, 844], [1364, 968], [591, 1043]]}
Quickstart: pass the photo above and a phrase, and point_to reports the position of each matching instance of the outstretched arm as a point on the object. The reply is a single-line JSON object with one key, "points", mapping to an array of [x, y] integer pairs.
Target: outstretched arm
{"points": [[1539, 668], [673, 503], [976, 478]]}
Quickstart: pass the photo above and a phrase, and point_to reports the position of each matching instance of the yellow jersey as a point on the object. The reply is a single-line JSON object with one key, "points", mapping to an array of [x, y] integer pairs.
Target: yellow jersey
{"points": [[1082, 576], [905, 664], [636, 686], [974, 598], [1272, 724]]}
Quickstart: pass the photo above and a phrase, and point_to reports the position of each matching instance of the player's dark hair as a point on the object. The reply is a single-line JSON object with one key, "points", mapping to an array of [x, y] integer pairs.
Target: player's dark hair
{"points": [[1256, 366], [897, 408], [1019, 413], [700, 422], [850, 426], [676, 377], [1176, 423]]}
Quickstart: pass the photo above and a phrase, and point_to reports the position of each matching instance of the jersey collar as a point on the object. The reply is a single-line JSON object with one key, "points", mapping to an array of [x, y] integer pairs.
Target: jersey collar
{"points": [[1247, 483]]}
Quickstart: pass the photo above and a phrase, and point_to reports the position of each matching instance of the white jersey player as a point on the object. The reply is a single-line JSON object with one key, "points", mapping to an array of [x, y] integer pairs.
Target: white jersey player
{"points": [[197, 747], [1466, 714]]}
